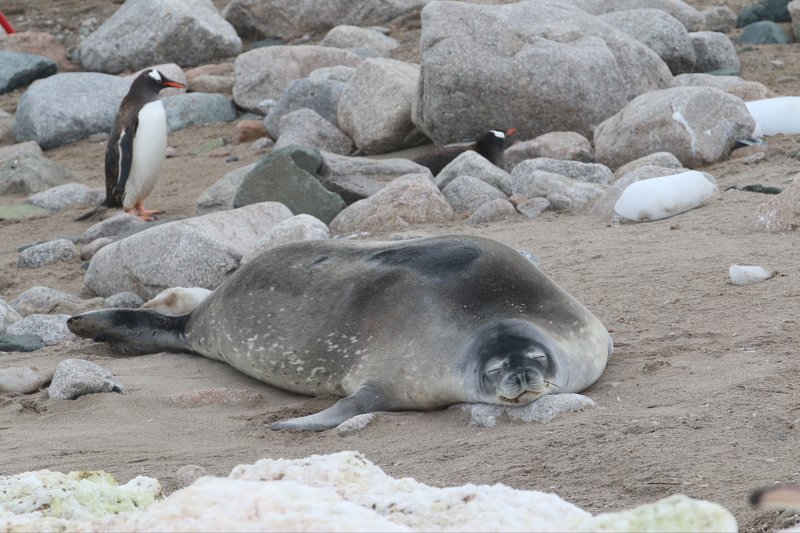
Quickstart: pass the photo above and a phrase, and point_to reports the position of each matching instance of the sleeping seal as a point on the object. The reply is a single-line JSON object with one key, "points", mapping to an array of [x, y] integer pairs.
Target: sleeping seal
{"points": [[390, 326]]}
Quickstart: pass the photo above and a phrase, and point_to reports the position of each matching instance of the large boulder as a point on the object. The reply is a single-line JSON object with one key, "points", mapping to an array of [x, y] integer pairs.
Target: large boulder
{"points": [[194, 252], [375, 107], [412, 199], [68, 107], [699, 125], [147, 32], [659, 31], [257, 19], [264, 73], [356, 178], [539, 66], [25, 170]]}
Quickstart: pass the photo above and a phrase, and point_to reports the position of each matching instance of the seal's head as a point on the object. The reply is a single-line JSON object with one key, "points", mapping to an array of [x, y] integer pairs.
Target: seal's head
{"points": [[512, 363]]}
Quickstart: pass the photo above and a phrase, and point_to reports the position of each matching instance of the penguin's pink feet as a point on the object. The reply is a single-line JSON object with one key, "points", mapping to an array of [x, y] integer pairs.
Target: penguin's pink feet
{"points": [[142, 213]]}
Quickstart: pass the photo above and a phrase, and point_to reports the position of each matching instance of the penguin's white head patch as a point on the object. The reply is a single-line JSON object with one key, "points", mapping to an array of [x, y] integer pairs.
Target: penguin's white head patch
{"points": [[499, 134], [155, 75]]}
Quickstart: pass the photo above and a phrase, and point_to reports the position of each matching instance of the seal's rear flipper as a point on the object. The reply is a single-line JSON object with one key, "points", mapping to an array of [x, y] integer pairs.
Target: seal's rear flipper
{"points": [[367, 399], [133, 331]]}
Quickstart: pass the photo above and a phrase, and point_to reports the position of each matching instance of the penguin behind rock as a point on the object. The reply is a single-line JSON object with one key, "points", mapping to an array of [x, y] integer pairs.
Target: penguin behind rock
{"points": [[491, 145], [136, 146]]}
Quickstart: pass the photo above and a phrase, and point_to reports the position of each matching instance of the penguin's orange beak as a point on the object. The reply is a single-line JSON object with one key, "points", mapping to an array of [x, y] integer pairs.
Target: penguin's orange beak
{"points": [[170, 83], [511, 131]]}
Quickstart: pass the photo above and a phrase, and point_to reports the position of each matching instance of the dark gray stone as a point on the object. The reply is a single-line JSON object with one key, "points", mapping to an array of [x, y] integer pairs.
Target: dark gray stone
{"points": [[284, 176], [20, 343], [356, 178], [774, 10], [320, 95], [192, 109], [19, 70], [763, 32]]}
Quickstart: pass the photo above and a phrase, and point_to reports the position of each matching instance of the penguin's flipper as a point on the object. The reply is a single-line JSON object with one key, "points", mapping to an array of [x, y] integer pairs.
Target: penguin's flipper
{"points": [[125, 150]]}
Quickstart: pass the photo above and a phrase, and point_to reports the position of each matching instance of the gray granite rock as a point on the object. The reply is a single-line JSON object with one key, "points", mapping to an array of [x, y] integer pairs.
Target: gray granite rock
{"points": [[746, 90], [114, 225], [659, 31], [411, 199], [338, 73], [589, 172], [220, 195], [714, 51], [298, 228], [256, 19], [89, 249], [375, 107], [192, 109], [306, 127], [51, 328], [718, 18], [68, 107], [19, 70], [306, 93], [8, 315], [74, 378], [533, 207], [470, 163], [264, 73], [23, 379], [59, 250], [492, 211], [657, 159], [763, 32], [194, 252], [356, 178], [699, 125], [25, 170], [279, 177], [20, 343], [124, 300], [537, 66], [147, 32], [354, 37], [39, 300], [467, 193], [690, 17], [555, 145], [66, 196], [563, 193]]}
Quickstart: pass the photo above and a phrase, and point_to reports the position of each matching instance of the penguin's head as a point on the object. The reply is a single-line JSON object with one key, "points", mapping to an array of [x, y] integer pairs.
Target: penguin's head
{"points": [[153, 80], [492, 144]]}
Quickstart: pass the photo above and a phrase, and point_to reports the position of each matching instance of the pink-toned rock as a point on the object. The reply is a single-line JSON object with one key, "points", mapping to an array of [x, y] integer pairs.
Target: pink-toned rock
{"points": [[213, 69], [39, 43], [409, 199], [492, 212], [219, 396], [781, 213], [250, 130]]}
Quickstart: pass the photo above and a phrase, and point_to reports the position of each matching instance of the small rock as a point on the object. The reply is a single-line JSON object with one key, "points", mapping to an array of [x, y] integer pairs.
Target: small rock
{"points": [[713, 51], [534, 207], [60, 250], [119, 223], [250, 130], [563, 193], [353, 37], [263, 145], [88, 250], [470, 163], [763, 32], [20, 343], [492, 212], [18, 70], [66, 196], [23, 379], [306, 127], [22, 212], [657, 159], [39, 300], [467, 193], [51, 328], [170, 152], [780, 213], [298, 228], [554, 145], [124, 300], [74, 378], [746, 275], [25, 170]]}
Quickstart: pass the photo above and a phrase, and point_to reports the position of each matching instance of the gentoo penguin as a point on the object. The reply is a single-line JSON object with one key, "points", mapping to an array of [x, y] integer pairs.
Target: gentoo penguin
{"points": [[490, 145], [136, 146]]}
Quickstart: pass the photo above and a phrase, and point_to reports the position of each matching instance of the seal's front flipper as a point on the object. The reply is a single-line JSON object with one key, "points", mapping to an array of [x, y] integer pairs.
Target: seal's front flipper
{"points": [[367, 399]]}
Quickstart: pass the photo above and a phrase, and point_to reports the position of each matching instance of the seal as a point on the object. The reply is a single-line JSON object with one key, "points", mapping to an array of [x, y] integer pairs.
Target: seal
{"points": [[388, 326]]}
